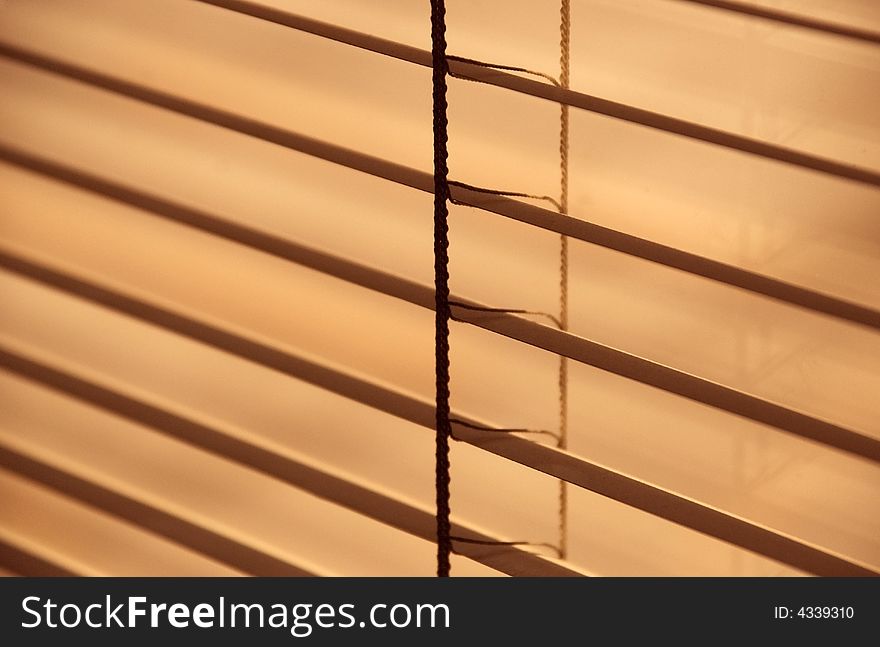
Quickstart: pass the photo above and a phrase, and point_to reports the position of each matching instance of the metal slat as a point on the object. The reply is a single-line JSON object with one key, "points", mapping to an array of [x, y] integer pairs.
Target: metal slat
{"points": [[550, 220], [500, 205], [790, 19], [134, 509], [409, 518], [555, 93], [510, 325], [25, 559], [544, 458]]}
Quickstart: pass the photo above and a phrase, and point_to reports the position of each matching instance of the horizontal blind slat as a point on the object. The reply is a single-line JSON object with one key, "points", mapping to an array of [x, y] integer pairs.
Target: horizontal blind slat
{"points": [[519, 328], [557, 94], [24, 558], [359, 498], [549, 460], [180, 530], [500, 205], [788, 18]]}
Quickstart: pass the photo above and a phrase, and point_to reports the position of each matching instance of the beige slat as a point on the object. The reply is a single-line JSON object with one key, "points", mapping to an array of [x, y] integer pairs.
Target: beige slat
{"points": [[557, 93], [550, 460], [508, 559], [536, 216], [110, 498]]}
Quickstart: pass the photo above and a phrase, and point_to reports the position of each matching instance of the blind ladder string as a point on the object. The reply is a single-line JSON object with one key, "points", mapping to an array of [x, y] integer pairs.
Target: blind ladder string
{"points": [[441, 284], [443, 311], [564, 81]]}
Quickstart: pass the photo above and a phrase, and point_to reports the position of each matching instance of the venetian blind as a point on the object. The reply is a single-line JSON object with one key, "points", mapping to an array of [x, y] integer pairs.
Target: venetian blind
{"points": [[217, 334]]}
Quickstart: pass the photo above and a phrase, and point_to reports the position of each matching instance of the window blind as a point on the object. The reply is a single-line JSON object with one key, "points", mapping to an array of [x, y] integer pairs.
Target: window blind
{"points": [[217, 346]]}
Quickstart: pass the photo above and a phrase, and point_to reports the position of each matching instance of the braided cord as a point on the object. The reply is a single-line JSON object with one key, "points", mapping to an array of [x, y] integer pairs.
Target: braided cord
{"points": [[564, 80], [441, 283]]}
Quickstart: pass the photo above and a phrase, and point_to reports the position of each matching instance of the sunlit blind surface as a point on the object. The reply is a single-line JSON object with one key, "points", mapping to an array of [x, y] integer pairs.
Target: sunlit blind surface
{"points": [[216, 264]]}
